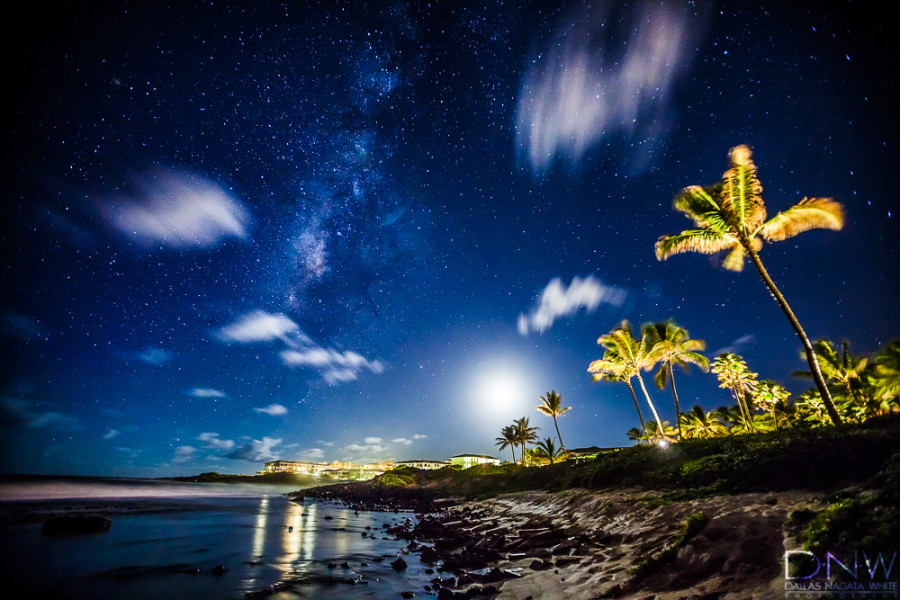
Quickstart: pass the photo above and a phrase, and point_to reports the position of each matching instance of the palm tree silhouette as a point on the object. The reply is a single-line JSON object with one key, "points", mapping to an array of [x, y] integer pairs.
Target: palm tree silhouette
{"points": [[525, 434], [671, 344], [552, 407], [731, 215], [507, 439]]}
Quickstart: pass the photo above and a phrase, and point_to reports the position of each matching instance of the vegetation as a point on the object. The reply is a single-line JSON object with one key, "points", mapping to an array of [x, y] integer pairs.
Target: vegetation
{"points": [[670, 344], [508, 439], [546, 452], [551, 405], [731, 216], [653, 561]]}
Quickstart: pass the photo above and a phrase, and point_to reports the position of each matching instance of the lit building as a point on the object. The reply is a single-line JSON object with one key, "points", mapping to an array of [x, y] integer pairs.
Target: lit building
{"points": [[429, 465], [470, 460], [295, 466]]}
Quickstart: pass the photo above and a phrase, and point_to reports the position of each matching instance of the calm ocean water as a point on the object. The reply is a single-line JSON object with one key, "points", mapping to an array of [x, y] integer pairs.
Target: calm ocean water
{"points": [[167, 539]]}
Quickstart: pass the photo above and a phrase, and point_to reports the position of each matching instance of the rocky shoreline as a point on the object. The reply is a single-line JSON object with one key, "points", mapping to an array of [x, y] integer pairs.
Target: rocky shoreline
{"points": [[583, 545]]}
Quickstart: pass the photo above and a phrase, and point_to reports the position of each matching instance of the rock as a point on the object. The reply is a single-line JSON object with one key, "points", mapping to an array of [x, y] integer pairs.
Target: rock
{"points": [[539, 565], [429, 555], [76, 523], [399, 564], [219, 570], [407, 595]]}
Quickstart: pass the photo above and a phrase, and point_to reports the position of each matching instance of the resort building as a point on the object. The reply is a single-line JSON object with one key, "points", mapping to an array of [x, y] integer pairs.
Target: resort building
{"points": [[429, 465], [470, 460], [294, 466], [336, 469]]}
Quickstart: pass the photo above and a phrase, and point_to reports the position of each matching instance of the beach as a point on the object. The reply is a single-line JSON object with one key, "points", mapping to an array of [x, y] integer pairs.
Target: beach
{"points": [[189, 541]]}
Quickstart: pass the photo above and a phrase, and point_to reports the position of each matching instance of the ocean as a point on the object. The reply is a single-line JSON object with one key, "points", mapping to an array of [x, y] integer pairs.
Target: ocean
{"points": [[197, 540]]}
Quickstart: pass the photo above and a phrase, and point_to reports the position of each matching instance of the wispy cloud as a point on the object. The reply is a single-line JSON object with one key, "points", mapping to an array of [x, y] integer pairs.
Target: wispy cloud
{"points": [[736, 346], [587, 84], [311, 454], [559, 301], [184, 454], [213, 442], [177, 210], [335, 366], [155, 356], [403, 441], [205, 393], [110, 434], [370, 448], [255, 450], [419, 436], [274, 410], [16, 412], [258, 326]]}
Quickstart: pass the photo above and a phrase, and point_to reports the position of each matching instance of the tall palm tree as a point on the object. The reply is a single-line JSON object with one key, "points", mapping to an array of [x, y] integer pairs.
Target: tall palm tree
{"points": [[633, 355], [734, 375], [552, 407], [612, 367], [731, 215], [525, 434], [546, 450], [671, 345], [508, 439]]}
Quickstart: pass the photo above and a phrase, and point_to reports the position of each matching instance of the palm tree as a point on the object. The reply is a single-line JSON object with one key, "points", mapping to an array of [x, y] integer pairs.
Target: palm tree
{"points": [[844, 369], [546, 450], [636, 434], [768, 395], [552, 407], [672, 345], [657, 432], [731, 215], [525, 434], [701, 424], [612, 367], [884, 376], [734, 375], [633, 355], [507, 439]]}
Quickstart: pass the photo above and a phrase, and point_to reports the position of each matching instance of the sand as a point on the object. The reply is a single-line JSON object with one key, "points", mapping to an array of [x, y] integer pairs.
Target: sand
{"points": [[589, 543]]}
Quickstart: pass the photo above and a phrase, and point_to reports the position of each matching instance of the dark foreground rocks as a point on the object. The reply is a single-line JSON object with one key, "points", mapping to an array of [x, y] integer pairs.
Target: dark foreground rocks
{"points": [[76, 524]]}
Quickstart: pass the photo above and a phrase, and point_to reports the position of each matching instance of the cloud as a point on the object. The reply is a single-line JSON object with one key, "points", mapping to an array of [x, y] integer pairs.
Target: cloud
{"points": [[155, 356], [604, 72], [403, 441], [258, 326], [274, 410], [736, 346], [19, 326], [213, 442], [110, 434], [419, 436], [368, 449], [311, 454], [255, 450], [205, 393], [16, 412], [183, 454], [558, 301], [335, 366], [177, 210]]}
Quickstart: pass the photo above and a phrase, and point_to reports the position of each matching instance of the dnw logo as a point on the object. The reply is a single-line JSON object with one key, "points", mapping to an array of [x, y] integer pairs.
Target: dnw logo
{"points": [[809, 565]]}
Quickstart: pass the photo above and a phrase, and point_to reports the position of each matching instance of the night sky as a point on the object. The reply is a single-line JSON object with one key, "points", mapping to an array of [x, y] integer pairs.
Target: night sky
{"points": [[238, 232]]}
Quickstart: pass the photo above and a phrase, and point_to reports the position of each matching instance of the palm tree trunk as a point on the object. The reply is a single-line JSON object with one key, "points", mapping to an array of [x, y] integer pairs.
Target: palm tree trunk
{"points": [[636, 405], [798, 329], [675, 393], [745, 410], [659, 428], [557, 434], [513, 448]]}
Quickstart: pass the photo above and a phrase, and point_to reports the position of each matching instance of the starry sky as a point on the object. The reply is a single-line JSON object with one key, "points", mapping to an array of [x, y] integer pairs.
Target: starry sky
{"points": [[240, 232]]}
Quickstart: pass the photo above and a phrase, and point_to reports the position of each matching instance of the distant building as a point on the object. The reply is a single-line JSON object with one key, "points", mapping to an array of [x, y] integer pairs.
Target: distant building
{"points": [[295, 466], [470, 460], [336, 469], [424, 464]]}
